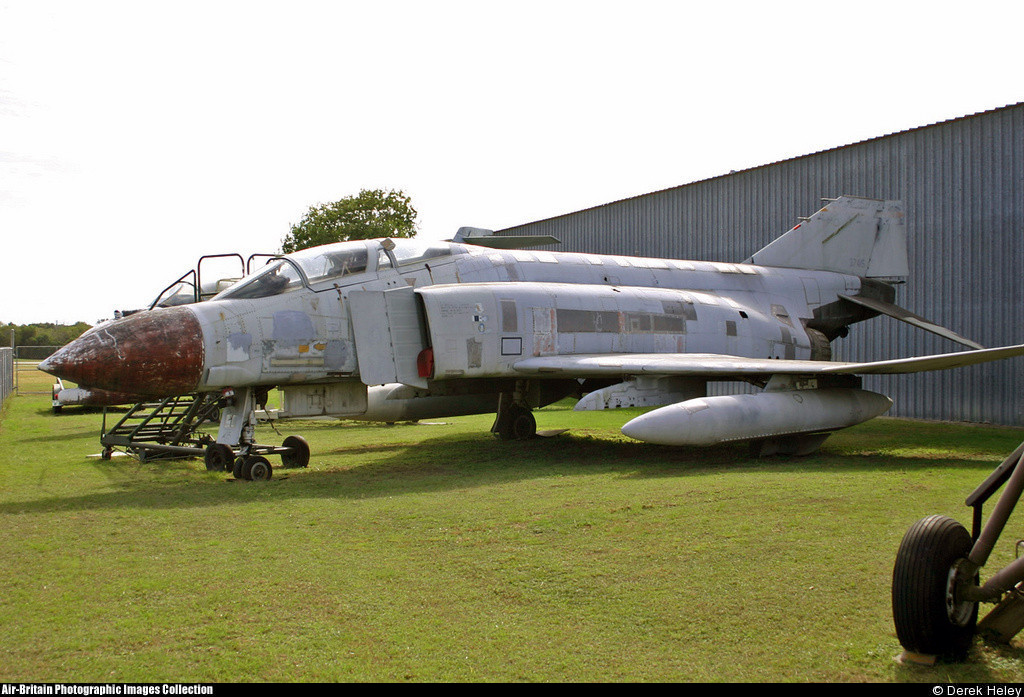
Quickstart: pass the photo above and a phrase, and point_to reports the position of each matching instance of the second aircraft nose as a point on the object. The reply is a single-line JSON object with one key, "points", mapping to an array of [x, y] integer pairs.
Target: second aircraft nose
{"points": [[157, 353]]}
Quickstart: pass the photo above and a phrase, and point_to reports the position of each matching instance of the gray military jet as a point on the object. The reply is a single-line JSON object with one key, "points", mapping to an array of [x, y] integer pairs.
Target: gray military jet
{"points": [[407, 329]]}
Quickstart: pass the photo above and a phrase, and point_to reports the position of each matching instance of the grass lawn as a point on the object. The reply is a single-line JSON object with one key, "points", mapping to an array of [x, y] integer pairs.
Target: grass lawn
{"points": [[434, 552]]}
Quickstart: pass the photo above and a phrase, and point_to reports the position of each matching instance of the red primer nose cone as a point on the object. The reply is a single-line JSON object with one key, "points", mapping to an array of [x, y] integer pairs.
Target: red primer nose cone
{"points": [[157, 353]]}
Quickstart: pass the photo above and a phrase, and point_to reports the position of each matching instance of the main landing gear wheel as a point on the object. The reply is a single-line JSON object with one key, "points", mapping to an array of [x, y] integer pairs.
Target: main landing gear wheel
{"points": [[929, 566], [253, 469], [524, 426], [517, 423], [219, 457], [299, 455], [256, 468]]}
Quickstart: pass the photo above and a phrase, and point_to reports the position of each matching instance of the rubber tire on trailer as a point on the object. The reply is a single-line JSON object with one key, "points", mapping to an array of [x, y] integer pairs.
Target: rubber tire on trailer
{"points": [[299, 457], [219, 457], [921, 577], [257, 469]]}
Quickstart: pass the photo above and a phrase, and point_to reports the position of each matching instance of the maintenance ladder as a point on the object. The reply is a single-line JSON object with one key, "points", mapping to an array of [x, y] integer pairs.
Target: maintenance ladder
{"points": [[164, 429]]}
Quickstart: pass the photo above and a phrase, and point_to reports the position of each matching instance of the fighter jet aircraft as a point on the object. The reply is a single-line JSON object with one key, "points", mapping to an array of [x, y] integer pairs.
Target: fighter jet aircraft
{"points": [[404, 329]]}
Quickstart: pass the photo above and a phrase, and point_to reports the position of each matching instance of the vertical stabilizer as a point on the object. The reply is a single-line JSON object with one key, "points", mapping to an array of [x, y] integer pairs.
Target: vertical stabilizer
{"points": [[858, 236]]}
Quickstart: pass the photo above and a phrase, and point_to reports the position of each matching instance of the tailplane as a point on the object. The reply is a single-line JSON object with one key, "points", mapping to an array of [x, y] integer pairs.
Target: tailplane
{"points": [[858, 236]]}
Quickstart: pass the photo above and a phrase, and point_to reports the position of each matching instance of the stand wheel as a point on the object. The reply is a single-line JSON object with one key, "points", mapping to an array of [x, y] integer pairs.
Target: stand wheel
{"points": [[219, 457], [299, 455]]}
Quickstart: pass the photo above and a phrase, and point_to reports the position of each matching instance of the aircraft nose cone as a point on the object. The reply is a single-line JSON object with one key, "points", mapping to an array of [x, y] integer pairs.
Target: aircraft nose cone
{"points": [[158, 353]]}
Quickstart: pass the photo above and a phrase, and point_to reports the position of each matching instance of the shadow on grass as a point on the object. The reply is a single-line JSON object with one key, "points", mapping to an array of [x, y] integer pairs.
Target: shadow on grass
{"points": [[405, 462]]}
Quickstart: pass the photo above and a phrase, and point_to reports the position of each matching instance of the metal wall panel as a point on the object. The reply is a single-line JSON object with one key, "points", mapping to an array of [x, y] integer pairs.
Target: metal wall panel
{"points": [[962, 183]]}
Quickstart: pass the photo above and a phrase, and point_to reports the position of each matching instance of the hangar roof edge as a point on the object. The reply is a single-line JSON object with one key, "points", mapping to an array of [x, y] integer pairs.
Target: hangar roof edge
{"points": [[772, 164]]}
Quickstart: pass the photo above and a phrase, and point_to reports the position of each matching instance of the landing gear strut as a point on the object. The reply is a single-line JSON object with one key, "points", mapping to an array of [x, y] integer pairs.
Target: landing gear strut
{"points": [[935, 584]]}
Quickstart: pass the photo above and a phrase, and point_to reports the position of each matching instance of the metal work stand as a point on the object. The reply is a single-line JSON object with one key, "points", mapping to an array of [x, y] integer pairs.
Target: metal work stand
{"points": [[169, 429]]}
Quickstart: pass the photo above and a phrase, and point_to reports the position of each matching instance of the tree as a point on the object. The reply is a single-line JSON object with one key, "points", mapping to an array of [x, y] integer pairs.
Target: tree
{"points": [[368, 214]]}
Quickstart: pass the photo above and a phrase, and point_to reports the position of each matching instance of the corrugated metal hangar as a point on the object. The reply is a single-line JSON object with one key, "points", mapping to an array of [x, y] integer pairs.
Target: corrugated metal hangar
{"points": [[962, 186]]}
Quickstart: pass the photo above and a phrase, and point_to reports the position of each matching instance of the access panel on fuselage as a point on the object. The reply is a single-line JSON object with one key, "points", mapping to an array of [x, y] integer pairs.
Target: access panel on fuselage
{"points": [[389, 335]]}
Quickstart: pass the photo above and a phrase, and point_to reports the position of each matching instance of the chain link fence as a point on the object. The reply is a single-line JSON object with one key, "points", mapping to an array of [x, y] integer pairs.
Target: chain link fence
{"points": [[26, 360]]}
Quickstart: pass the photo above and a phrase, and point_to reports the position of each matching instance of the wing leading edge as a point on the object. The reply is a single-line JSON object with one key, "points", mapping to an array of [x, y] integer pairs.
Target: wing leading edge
{"points": [[722, 366]]}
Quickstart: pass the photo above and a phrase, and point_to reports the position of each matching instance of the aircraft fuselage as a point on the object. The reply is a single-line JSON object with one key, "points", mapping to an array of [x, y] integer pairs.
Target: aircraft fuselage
{"points": [[482, 310]]}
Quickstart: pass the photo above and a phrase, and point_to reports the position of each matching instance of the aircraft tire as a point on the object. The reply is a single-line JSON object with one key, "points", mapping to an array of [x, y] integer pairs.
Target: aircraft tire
{"points": [[524, 425], [927, 619], [516, 424], [218, 457], [236, 468], [299, 457], [257, 469]]}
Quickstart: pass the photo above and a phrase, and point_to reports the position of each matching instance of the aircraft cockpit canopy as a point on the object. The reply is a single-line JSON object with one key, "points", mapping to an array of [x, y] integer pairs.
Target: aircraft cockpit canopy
{"points": [[318, 264], [409, 252], [333, 262], [277, 277]]}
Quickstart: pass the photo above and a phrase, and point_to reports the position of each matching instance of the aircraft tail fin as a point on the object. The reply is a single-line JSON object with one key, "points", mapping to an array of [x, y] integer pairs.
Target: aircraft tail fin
{"points": [[858, 236]]}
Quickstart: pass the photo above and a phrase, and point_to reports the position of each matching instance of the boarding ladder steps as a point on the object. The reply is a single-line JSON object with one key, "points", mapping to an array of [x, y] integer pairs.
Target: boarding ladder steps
{"points": [[161, 428]]}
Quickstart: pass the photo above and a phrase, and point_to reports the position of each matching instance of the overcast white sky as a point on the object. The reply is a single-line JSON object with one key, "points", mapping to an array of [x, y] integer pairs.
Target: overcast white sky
{"points": [[137, 136]]}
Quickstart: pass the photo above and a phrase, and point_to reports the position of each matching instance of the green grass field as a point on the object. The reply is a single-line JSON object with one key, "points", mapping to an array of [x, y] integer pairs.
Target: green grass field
{"points": [[433, 552]]}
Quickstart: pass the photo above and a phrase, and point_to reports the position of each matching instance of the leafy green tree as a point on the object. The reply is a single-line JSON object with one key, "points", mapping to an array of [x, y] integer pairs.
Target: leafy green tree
{"points": [[41, 333], [368, 214]]}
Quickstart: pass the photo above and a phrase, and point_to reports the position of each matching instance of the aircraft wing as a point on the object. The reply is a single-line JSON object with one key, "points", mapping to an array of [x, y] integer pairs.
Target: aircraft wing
{"points": [[722, 366]]}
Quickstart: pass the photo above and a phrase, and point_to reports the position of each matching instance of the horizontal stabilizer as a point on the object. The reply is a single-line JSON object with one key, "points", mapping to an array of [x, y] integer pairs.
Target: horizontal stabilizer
{"points": [[516, 242], [486, 238], [736, 367], [898, 313]]}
